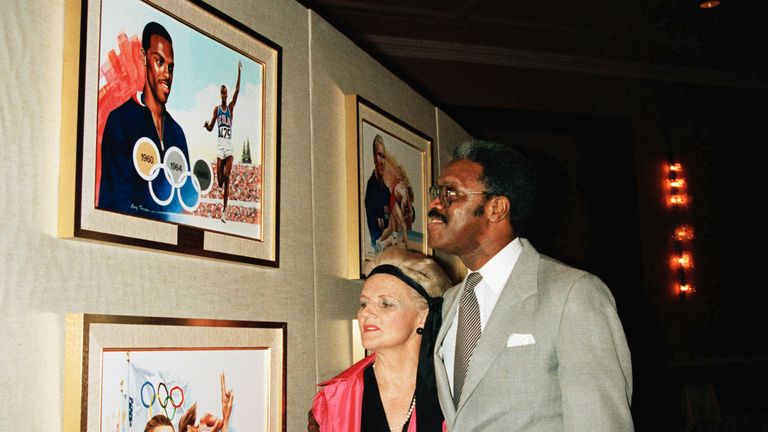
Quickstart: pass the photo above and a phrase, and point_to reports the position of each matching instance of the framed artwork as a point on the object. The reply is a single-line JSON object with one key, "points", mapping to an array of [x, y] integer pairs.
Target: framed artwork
{"points": [[171, 140], [123, 372], [390, 164]]}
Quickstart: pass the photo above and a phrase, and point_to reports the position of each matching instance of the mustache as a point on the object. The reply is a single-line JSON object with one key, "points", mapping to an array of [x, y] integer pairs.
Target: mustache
{"points": [[436, 214]]}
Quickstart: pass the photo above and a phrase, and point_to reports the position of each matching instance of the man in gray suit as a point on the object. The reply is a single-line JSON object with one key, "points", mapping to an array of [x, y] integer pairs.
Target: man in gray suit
{"points": [[527, 343]]}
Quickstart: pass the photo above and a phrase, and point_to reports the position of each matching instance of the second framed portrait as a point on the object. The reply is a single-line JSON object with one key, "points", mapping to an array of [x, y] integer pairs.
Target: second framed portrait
{"points": [[391, 164]]}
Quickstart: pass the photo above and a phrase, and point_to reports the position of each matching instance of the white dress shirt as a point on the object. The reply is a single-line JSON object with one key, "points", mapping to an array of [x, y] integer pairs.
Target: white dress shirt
{"points": [[495, 274]]}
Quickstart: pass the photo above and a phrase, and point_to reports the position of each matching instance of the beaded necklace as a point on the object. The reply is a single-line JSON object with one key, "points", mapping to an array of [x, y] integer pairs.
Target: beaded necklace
{"points": [[407, 416]]}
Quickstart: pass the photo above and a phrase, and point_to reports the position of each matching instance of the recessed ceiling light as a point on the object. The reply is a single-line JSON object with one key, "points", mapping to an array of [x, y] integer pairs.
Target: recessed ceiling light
{"points": [[709, 4]]}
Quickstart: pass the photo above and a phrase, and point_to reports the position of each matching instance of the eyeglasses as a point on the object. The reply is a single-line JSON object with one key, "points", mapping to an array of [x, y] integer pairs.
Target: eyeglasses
{"points": [[448, 196]]}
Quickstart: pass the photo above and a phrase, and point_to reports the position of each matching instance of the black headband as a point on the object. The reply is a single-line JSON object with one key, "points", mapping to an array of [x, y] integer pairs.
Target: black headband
{"points": [[396, 272]]}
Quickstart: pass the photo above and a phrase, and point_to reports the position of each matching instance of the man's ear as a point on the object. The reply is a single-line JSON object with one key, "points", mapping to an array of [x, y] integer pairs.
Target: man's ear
{"points": [[143, 56], [498, 208]]}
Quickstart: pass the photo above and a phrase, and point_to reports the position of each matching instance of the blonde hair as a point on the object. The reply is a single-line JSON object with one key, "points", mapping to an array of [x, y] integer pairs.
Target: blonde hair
{"points": [[422, 269]]}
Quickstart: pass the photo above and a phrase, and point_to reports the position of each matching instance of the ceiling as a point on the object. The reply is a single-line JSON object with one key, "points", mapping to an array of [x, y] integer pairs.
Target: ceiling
{"points": [[444, 47]]}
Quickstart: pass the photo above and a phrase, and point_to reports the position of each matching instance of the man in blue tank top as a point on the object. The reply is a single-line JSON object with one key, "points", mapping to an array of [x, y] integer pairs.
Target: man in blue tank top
{"points": [[222, 115]]}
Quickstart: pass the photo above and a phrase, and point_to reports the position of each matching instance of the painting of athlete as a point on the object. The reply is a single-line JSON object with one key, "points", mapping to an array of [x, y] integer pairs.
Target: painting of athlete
{"points": [[222, 118], [158, 79], [394, 175], [399, 224], [220, 390], [131, 373]]}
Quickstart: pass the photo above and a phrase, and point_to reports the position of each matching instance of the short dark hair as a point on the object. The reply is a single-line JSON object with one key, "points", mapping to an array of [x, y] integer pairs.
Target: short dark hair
{"points": [[157, 421], [153, 28], [506, 172]]}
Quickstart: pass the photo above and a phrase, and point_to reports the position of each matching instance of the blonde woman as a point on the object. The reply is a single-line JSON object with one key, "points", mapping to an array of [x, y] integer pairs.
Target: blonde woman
{"points": [[394, 388]]}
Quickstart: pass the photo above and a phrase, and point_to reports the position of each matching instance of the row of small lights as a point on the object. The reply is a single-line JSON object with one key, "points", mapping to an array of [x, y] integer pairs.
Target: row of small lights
{"points": [[681, 258]]}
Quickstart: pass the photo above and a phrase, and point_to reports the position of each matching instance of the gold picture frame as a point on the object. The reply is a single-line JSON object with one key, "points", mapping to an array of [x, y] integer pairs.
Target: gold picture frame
{"points": [[390, 206], [122, 370], [166, 190]]}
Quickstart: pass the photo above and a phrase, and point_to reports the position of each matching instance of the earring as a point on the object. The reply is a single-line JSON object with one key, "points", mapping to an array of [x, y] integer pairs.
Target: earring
{"points": [[419, 330]]}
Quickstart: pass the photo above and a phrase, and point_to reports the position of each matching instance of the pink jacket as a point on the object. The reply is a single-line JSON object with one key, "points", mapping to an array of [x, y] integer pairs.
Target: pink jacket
{"points": [[338, 406]]}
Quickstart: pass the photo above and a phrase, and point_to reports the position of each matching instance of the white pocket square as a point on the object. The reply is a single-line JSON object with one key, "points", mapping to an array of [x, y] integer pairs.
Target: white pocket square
{"points": [[518, 339]]}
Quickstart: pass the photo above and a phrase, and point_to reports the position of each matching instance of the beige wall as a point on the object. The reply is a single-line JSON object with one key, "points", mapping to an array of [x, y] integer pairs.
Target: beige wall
{"points": [[42, 278], [340, 68]]}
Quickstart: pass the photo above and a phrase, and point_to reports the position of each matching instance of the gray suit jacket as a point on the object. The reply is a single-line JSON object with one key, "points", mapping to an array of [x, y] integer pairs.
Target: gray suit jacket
{"points": [[575, 376]]}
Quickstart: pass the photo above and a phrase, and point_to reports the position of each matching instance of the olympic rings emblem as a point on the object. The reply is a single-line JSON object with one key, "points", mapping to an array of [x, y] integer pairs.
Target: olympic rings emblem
{"points": [[171, 177], [162, 400]]}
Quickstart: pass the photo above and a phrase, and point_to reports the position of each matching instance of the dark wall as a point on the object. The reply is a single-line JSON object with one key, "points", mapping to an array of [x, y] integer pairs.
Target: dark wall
{"points": [[602, 174]]}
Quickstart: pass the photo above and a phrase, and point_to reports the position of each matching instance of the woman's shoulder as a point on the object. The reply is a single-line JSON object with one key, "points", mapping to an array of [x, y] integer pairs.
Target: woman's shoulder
{"points": [[356, 370], [338, 396]]}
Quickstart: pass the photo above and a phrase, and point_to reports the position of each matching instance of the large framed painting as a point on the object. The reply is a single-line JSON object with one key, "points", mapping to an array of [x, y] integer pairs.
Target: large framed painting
{"points": [[175, 144], [390, 164], [123, 373]]}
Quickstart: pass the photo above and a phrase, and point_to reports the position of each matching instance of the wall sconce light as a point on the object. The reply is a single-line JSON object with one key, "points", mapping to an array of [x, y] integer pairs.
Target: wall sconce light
{"points": [[682, 260], [678, 200], [677, 183], [684, 232]]}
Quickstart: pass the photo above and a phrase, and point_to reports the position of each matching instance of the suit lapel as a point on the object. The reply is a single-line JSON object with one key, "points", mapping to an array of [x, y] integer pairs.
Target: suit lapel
{"points": [[521, 284], [450, 307]]}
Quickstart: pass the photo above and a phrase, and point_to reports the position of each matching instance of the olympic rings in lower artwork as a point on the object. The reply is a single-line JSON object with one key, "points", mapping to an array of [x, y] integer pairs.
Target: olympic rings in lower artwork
{"points": [[163, 400], [174, 397], [181, 392], [171, 178], [154, 395]]}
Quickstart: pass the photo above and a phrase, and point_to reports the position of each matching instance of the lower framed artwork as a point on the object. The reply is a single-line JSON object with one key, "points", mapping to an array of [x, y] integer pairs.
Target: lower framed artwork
{"points": [[122, 372]]}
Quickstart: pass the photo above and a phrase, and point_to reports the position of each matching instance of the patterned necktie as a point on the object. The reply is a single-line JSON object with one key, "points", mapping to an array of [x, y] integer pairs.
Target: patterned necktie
{"points": [[467, 334]]}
